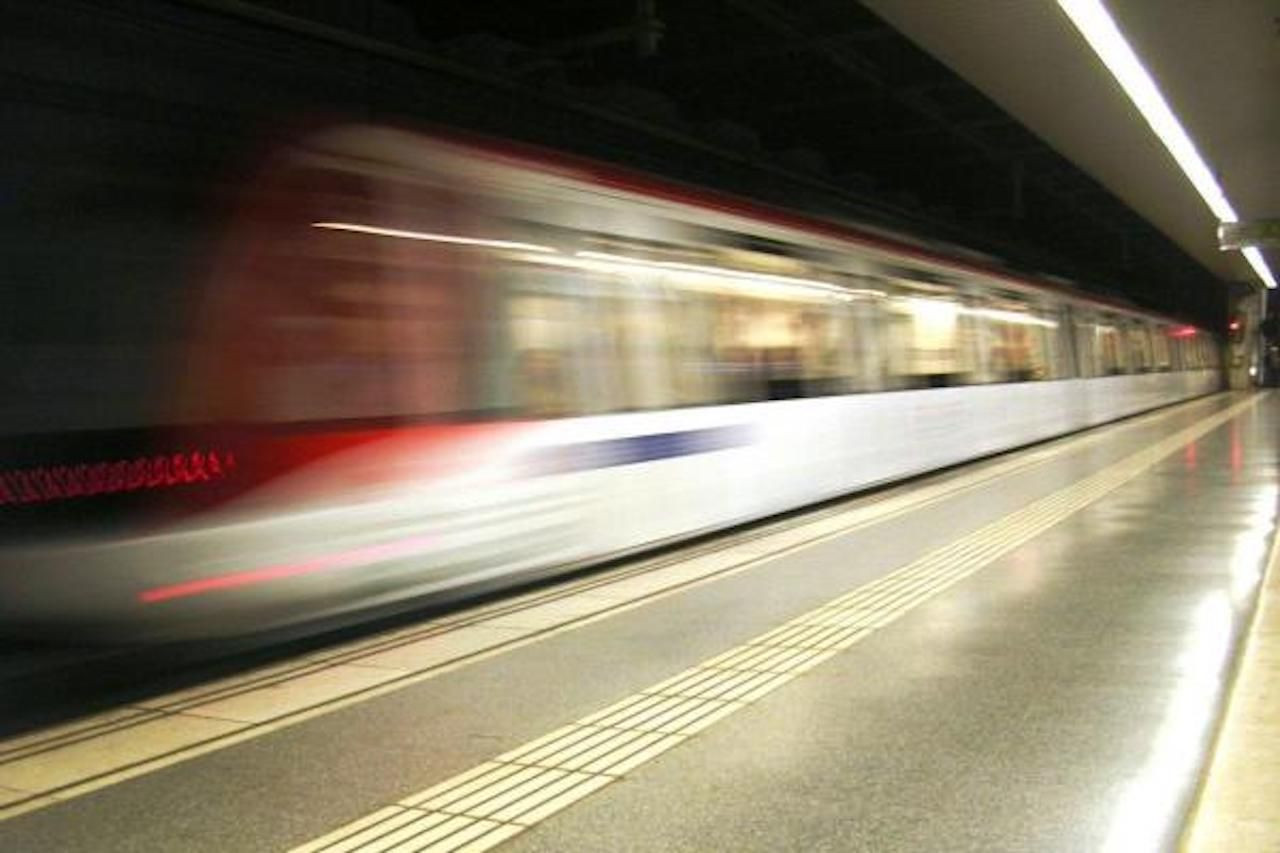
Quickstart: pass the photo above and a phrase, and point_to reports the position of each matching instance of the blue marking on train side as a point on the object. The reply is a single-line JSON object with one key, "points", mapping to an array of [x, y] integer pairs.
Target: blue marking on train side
{"points": [[634, 449]]}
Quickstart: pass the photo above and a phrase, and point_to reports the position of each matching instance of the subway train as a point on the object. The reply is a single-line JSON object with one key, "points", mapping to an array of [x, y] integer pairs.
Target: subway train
{"points": [[404, 366]]}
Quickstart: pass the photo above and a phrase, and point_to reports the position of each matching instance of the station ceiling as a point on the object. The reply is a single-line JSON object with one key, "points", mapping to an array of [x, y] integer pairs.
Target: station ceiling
{"points": [[1014, 130], [1217, 63]]}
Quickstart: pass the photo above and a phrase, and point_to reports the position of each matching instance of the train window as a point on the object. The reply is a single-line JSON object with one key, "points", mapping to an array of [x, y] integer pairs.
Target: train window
{"points": [[579, 337], [1162, 357], [1088, 362], [969, 350], [607, 385], [755, 352], [1058, 343], [318, 317], [691, 316], [984, 342], [746, 336], [658, 326], [350, 335], [1192, 358], [1111, 355], [1139, 342], [1016, 343], [750, 337], [546, 362], [1017, 356], [866, 316], [925, 338], [646, 339], [826, 352]]}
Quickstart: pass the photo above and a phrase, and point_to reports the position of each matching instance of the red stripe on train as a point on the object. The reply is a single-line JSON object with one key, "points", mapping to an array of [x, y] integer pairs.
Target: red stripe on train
{"points": [[351, 559]]}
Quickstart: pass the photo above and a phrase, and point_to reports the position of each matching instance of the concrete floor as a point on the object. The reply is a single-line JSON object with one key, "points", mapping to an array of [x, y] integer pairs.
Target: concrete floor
{"points": [[1061, 695]]}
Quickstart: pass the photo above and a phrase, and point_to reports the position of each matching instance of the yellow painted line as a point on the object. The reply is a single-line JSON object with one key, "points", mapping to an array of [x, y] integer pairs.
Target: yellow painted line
{"points": [[157, 737], [96, 726], [522, 787], [273, 701]]}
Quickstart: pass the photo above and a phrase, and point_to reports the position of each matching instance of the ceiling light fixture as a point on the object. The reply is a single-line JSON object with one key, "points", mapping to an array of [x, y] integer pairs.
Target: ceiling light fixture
{"points": [[1099, 29]]}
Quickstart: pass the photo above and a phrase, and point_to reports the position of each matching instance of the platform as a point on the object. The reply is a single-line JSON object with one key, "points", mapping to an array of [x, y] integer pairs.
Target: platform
{"points": [[1030, 653]]}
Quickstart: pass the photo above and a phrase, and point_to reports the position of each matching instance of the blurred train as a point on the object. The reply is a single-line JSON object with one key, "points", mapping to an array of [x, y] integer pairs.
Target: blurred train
{"points": [[414, 365]]}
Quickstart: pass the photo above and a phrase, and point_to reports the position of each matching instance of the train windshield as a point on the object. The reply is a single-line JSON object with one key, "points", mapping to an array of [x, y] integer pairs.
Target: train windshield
{"points": [[337, 305]]}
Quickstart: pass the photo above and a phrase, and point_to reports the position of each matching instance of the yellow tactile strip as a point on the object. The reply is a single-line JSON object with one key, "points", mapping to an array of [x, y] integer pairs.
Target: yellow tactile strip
{"points": [[1239, 805], [482, 807]]}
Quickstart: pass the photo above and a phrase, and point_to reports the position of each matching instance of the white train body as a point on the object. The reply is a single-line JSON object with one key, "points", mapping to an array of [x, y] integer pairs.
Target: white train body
{"points": [[556, 366]]}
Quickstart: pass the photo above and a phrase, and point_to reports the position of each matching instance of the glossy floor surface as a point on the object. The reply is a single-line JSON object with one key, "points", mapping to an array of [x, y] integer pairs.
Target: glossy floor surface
{"points": [[1029, 654], [1239, 806]]}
